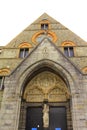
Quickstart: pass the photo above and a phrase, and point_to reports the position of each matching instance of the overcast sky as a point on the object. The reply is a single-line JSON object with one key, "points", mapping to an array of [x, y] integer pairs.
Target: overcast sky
{"points": [[16, 15]]}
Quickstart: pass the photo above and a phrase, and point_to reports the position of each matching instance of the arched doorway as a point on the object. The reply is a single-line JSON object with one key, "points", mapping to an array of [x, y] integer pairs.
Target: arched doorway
{"points": [[45, 103]]}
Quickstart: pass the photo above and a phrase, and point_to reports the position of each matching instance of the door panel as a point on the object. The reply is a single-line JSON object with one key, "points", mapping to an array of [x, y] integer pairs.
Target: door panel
{"points": [[34, 118], [57, 118]]}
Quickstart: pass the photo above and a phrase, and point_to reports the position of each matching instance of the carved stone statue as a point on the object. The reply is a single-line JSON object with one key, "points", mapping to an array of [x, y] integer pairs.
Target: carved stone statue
{"points": [[46, 116]]}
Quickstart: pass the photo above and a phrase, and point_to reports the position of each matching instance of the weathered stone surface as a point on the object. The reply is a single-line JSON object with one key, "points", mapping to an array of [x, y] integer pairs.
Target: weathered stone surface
{"points": [[45, 56]]}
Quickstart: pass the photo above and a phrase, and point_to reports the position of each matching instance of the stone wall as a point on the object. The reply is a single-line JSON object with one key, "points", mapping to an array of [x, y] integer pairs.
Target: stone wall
{"points": [[44, 54], [1, 96], [53, 58], [9, 58]]}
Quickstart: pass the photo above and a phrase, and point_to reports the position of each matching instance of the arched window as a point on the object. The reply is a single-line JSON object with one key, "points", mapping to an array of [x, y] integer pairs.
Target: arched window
{"points": [[44, 24], [3, 73], [23, 52], [24, 49], [68, 48], [68, 51]]}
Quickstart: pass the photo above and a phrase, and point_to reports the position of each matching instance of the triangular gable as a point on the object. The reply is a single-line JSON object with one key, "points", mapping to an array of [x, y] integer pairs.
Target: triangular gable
{"points": [[46, 50], [63, 34]]}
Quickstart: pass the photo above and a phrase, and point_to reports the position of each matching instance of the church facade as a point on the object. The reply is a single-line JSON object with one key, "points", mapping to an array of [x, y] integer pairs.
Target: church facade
{"points": [[43, 79]]}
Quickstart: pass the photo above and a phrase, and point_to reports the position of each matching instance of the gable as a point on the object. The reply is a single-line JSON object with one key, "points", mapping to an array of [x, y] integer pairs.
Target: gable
{"points": [[30, 38], [46, 50], [61, 32]]}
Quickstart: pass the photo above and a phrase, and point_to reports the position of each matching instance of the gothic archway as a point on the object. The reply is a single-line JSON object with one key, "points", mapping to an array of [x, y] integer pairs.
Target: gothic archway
{"points": [[45, 88]]}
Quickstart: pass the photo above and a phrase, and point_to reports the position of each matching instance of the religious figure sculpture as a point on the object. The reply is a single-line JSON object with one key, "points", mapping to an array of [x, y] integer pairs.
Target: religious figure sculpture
{"points": [[46, 116]]}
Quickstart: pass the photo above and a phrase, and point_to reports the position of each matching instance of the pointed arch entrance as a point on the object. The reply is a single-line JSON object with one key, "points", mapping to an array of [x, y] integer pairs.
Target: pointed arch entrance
{"points": [[45, 102]]}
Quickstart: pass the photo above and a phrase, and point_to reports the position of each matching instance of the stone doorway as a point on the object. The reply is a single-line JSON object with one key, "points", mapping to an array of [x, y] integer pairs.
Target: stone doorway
{"points": [[50, 90], [55, 114], [55, 120]]}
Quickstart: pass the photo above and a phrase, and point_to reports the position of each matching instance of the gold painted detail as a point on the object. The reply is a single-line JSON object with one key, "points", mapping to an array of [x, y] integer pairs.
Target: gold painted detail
{"points": [[25, 45], [68, 43], [46, 86], [37, 37], [4, 71], [84, 70]]}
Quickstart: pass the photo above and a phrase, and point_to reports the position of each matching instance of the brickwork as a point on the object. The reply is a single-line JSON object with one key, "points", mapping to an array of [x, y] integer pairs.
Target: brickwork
{"points": [[11, 50], [45, 54]]}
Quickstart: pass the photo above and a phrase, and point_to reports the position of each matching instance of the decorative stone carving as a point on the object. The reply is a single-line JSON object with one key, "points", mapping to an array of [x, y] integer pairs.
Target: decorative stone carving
{"points": [[46, 86], [4, 71], [57, 95], [45, 52], [34, 95], [46, 116]]}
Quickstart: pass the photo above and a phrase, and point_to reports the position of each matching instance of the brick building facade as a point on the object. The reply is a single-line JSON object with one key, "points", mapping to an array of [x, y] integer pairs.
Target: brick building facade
{"points": [[43, 79]]}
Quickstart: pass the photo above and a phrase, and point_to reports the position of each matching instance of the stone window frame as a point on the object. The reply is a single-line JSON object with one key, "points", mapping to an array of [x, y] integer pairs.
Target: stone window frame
{"points": [[69, 51], [44, 24], [68, 48], [24, 49], [23, 52], [2, 82]]}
